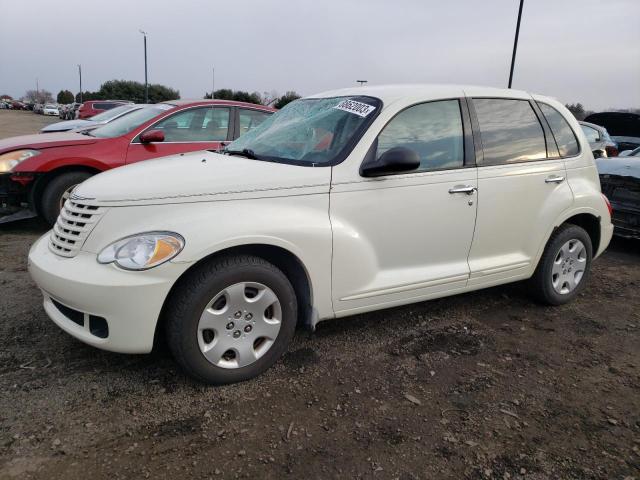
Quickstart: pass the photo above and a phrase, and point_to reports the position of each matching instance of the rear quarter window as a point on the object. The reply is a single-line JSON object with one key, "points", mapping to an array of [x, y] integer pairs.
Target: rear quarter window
{"points": [[561, 130]]}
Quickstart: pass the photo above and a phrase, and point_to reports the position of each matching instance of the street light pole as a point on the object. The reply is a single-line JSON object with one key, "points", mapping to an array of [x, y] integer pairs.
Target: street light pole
{"points": [[146, 84], [515, 43], [80, 75], [213, 81]]}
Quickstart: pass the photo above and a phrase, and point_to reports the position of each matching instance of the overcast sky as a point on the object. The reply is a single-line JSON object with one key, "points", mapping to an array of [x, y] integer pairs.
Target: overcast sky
{"points": [[574, 50]]}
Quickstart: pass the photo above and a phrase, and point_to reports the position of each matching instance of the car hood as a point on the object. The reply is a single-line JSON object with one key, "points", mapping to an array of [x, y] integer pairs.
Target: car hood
{"points": [[621, 166], [200, 176], [38, 141], [68, 125]]}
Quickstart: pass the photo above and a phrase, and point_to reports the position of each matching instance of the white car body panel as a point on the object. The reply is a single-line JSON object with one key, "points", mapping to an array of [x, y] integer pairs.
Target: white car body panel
{"points": [[364, 243]]}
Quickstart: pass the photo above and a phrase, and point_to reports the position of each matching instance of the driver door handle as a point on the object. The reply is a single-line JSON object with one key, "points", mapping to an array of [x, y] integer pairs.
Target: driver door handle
{"points": [[554, 179], [468, 189]]}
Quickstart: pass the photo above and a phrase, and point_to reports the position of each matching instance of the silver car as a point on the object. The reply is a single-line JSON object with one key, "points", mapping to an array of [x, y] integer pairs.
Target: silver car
{"points": [[601, 143], [95, 121]]}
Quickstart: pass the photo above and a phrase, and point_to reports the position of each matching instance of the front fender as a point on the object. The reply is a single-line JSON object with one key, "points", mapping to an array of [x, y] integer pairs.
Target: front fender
{"points": [[298, 224]]}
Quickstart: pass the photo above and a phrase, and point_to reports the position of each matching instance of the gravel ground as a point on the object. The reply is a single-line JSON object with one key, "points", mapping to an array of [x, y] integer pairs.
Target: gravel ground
{"points": [[482, 385]]}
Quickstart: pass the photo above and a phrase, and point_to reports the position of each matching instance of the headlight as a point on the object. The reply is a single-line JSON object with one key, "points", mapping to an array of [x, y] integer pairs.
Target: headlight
{"points": [[143, 251], [11, 159]]}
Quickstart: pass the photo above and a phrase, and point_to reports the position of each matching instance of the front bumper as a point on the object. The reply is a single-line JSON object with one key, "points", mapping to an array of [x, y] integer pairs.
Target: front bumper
{"points": [[84, 290]]}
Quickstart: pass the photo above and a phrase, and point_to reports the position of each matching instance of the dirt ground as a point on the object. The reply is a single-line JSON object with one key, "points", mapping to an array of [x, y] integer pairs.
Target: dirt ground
{"points": [[487, 385], [20, 122]]}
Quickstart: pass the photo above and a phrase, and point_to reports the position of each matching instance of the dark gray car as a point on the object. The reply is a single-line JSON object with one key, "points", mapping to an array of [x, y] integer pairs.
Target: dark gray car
{"points": [[620, 182]]}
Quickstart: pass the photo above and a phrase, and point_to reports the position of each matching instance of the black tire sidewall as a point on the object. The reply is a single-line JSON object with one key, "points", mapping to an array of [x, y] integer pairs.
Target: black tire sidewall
{"points": [[185, 322], [567, 233], [50, 199]]}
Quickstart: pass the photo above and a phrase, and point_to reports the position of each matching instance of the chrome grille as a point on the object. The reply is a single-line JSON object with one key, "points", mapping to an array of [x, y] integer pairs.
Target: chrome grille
{"points": [[75, 222]]}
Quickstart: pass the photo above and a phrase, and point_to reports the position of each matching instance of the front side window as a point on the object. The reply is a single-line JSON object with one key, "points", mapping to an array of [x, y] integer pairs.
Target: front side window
{"points": [[203, 124], [250, 119], [310, 131], [562, 132], [591, 133], [510, 131], [127, 123], [433, 130]]}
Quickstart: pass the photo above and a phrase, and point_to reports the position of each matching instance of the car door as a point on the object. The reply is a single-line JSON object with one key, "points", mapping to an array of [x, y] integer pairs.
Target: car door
{"points": [[190, 129], [522, 189], [405, 237]]}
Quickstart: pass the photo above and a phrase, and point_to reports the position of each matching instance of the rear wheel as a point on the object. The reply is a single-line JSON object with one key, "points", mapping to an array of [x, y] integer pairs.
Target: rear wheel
{"points": [[564, 267], [57, 192], [231, 319]]}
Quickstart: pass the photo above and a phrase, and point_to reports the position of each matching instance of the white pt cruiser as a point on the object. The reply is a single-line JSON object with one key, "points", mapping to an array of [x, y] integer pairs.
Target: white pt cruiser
{"points": [[341, 203]]}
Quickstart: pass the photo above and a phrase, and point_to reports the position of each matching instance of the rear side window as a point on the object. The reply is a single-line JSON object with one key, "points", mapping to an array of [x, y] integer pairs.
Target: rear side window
{"points": [[250, 119], [592, 134], [510, 131], [562, 132], [433, 130], [104, 105]]}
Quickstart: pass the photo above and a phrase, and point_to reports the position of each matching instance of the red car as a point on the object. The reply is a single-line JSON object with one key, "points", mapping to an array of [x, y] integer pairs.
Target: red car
{"points": [[39, 171], [93, 107]]}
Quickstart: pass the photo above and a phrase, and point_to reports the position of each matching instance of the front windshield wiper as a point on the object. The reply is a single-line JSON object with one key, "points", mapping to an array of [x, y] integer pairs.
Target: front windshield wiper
{"points": [[86, 132], [245, 152]]}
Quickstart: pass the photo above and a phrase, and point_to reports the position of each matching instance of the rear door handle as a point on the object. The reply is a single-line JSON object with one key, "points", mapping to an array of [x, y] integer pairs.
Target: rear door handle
{"points": [[468, 189], [554, 179]]}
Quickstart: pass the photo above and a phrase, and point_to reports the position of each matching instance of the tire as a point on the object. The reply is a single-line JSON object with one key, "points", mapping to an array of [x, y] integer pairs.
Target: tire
{"points": [[52, 196], [551, 283], [195, 297]]}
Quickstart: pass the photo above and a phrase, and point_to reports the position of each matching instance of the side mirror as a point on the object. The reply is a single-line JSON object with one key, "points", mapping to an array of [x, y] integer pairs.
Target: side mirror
{"points": [[152, 136], [395, 160]]}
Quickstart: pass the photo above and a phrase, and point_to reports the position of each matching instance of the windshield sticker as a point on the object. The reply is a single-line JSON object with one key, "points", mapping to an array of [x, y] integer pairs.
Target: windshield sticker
{"points": [[359, 108]]}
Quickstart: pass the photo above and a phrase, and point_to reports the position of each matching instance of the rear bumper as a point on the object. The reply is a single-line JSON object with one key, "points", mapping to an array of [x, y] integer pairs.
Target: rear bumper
{"points": [[626, 221]]}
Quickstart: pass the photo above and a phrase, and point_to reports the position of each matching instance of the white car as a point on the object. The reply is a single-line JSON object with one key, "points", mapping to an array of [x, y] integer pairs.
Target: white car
{"points": [[345, 202], [50, 109]]}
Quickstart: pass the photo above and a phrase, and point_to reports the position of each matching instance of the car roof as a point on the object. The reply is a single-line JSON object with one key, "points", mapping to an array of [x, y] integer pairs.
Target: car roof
{"points": [[392, 93], [233, 103]]}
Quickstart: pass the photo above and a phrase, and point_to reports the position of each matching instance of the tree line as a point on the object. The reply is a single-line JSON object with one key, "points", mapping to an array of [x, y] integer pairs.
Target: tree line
{"points": [[134, 92]]}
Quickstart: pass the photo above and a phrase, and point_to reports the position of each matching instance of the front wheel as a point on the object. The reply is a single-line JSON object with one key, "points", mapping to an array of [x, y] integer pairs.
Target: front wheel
{"points": [[565, 265], [57, 192], [231, 319]]}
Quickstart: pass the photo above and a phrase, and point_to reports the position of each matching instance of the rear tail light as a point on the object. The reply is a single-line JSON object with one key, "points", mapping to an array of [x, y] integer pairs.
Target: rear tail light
{"points": [[611, 151], [606, 200]]}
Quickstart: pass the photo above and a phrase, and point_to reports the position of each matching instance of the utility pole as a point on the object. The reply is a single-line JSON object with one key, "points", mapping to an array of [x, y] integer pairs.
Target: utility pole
{"points": [[361, 82], [213, 81], [37, 91], [515, 43], [146, 84], [80, 75]]}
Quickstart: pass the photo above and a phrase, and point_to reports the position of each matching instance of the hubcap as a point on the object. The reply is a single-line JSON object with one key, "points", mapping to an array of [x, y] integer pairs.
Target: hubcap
{"points": [[239, 325], [569, 266], [66, 195]]}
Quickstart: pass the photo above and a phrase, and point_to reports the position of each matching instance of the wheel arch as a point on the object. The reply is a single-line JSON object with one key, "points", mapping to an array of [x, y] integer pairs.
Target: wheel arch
{"points": [[284, 259], [44, 179], [591, 224], [586, 218]]}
